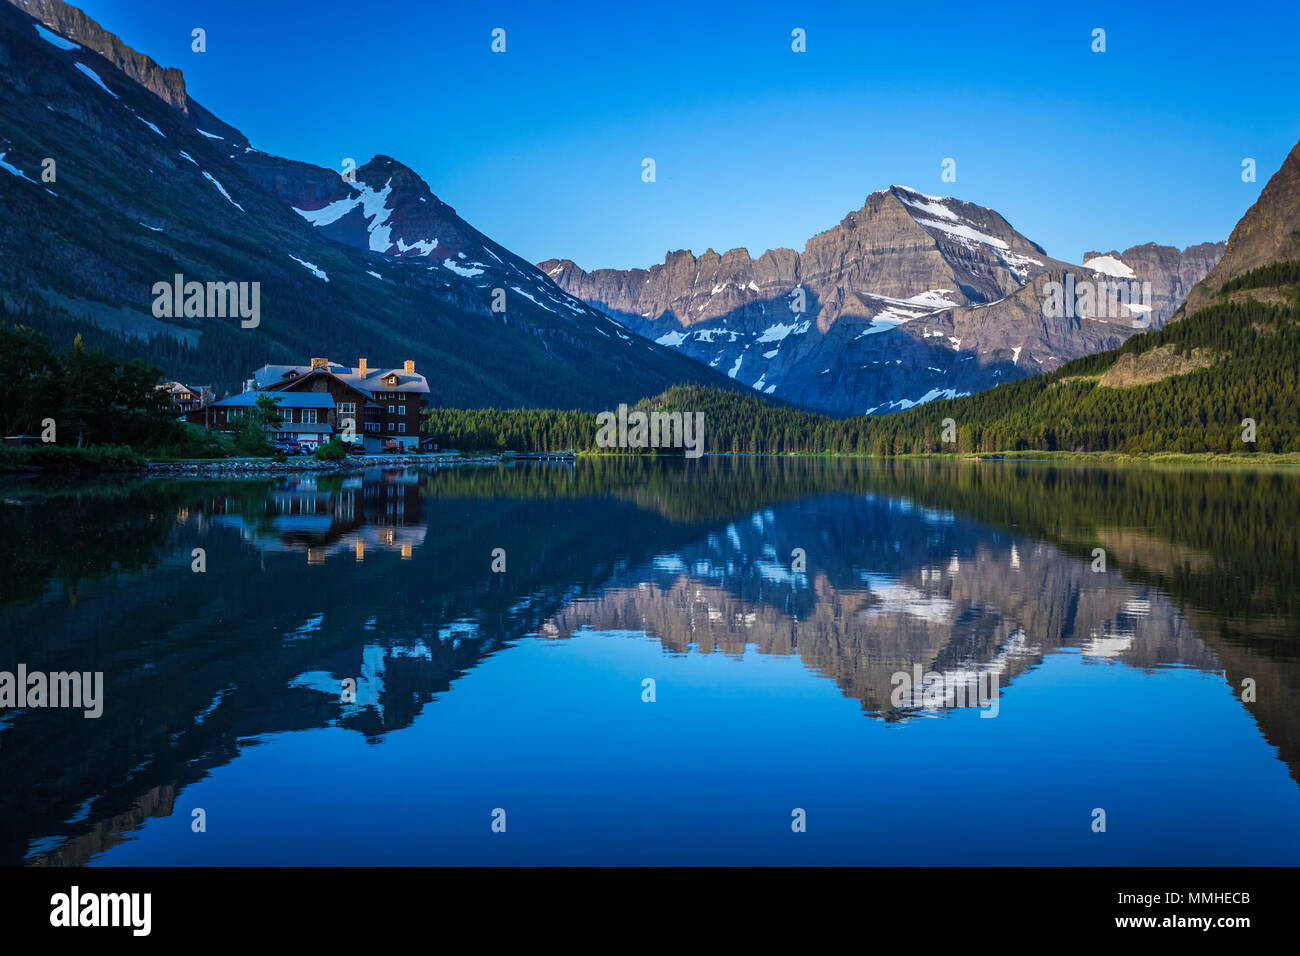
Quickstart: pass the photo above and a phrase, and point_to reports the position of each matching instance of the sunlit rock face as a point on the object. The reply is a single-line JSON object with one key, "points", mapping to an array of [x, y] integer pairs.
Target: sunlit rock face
{"points": [[910, 298]]}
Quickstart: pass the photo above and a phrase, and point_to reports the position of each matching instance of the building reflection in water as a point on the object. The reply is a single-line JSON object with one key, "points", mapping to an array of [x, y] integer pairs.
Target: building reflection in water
{"points": [[379, 510]]}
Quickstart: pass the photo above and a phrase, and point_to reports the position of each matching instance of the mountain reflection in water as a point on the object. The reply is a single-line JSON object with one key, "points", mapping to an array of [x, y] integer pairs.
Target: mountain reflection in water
{"points": [[971, 571]]}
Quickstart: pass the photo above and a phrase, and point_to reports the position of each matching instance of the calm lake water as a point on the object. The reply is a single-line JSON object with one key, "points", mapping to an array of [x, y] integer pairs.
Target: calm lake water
{"points": [[772, 603]]}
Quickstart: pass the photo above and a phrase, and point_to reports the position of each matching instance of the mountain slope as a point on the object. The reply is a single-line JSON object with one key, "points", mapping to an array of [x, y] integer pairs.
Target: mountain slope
{"points": [[1191, 386], [1268, 233], [910, 298], [149, 184]]}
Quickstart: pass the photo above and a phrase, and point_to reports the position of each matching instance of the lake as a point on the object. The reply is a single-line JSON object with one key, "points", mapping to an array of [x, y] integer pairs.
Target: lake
{"points": [[634, 661]]}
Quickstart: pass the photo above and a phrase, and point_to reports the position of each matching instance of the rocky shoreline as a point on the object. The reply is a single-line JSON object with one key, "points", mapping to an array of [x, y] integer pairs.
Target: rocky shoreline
{"points": [[236, 467]]}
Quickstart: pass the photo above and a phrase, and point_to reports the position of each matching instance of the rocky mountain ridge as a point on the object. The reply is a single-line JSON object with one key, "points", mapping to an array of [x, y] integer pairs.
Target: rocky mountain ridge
{"points": [[912, 297]]}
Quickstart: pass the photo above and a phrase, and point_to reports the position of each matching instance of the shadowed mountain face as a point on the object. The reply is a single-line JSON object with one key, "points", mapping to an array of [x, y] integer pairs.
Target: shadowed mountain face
{"points": [[910, 298], [114, 179], [970, 572]]}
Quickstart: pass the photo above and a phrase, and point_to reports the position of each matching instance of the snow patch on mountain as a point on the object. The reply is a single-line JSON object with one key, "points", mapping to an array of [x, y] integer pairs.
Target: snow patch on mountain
{"points": [[902, 404], [1018, 264], [1109, 265], [963, 233], [310, 267], [469, 271], [930, 205], [935, 298], [94, 78], [777, 332], [55, 39], [147, 123], [14, 169], [421, 246], [221, 189], [515, 288], [374, 207]]}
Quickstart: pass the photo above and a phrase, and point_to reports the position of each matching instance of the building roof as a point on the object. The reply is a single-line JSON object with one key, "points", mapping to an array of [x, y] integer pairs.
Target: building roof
{"points": [[375, 379], [283, 399]]}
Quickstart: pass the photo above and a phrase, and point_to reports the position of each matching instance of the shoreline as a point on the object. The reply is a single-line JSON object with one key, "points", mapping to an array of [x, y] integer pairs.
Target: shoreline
{"points": [[238, 467], [1103, 457], [241, 467]]}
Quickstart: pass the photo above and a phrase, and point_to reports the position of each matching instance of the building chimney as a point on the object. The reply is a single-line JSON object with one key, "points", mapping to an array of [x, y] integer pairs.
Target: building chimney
{"points": [[361, 367], [409, 367], [320, 363]]}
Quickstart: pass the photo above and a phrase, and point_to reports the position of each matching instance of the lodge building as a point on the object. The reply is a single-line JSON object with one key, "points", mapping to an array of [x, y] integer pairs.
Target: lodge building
{"points": [[186, 399], [379, 405]]}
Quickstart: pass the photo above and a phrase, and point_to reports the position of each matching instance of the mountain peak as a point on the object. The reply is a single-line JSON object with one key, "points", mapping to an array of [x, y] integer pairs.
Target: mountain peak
{"points": [[899, 188], [407, 185]]}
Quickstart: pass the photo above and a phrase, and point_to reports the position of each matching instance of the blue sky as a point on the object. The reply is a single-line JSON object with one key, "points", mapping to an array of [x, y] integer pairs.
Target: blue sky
{"points": [[755, 145]]}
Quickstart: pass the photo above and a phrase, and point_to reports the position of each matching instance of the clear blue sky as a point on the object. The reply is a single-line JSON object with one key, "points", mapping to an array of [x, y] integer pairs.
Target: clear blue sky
{"points": [[755, 145]]}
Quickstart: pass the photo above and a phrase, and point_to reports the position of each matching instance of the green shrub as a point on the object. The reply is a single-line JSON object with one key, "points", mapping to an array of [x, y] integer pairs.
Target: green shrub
{"points": [[193, 441], [332, 450]]}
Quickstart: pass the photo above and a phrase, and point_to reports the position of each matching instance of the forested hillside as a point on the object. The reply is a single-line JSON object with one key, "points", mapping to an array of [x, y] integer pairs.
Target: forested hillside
{"points": [[1249, 368]]}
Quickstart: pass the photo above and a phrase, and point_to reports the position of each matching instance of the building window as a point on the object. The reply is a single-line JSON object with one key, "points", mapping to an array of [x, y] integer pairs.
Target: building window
{"points": [[308, 416], [401, 427], [390, 409], [347, 408], [401, 409]]}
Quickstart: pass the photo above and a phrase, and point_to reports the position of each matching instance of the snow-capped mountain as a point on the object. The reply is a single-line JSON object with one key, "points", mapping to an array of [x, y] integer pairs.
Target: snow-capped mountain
{"points": [[910, 298], [147, 184], [385, 207]]}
